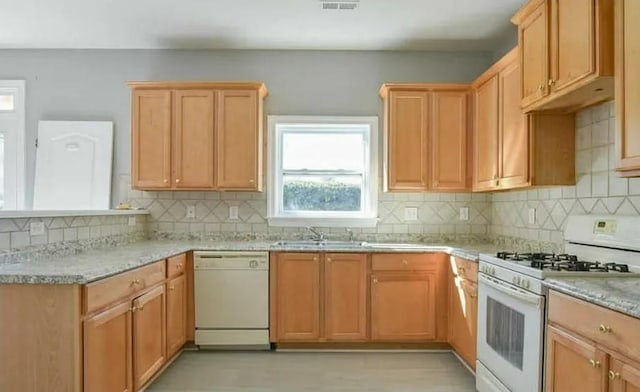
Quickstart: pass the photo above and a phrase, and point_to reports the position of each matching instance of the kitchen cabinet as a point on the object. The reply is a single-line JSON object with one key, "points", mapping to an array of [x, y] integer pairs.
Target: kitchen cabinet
{"points": [[566, 49], [193, 139], [107, 350], [151, 139], [627, 88], [590, 348], [426, 137], [624, 376], [463, 308], [574, 364], [197, 135], [408, 291], [176, 314], [297, 296], [345, 297], [513, 149], [149, 348]]}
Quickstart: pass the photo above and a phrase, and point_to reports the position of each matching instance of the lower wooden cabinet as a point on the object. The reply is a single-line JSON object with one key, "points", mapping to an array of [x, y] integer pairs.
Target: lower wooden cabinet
{"points": [[463, 318], [345, 297], [176, 314], [403, 306], [149, 350], [574, 364], [298, 296], [107, 350], [623, 376]]}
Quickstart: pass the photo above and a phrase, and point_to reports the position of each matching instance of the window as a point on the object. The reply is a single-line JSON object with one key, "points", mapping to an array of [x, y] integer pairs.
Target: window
{"points": [[12, 129], [322, 171]]}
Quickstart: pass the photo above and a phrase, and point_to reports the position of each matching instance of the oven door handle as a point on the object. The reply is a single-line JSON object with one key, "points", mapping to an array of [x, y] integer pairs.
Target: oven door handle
{"points": [[510, 291]]}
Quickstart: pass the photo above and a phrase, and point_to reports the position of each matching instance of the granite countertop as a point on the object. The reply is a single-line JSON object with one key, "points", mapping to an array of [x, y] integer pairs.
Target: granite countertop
{"points": [[617, 293], [97, 264]]}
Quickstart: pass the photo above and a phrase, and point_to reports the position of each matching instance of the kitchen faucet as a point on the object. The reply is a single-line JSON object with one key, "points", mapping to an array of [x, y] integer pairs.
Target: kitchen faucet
{"points": [[318, 235]]}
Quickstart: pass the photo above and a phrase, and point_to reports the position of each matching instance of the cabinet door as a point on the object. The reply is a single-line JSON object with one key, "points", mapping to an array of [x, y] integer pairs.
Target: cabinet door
{"points": [[107, 350], [298, 297], [151, 139], [449, 130], [193, 139], [628, 87], [485, 174], [623, 377], [176, 314], [514, 131], [345, 297], [463, 318], [403, 306], [239, 141], [573, 44], [573, 364], [534, 51], [407, 129], [149, 345]]}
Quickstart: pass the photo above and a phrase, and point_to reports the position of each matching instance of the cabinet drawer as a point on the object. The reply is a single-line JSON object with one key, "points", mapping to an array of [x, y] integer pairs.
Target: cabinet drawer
{"points": [[176, 265], [466, 269], [103, 292], [609, 328], [404, 262]]}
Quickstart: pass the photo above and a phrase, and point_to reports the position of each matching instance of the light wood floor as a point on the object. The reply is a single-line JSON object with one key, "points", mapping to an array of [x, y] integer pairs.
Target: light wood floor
{"points": [[313, 372]]}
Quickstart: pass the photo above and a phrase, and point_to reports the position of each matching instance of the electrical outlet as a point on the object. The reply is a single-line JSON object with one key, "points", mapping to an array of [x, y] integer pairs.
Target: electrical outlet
{"points": [[191, 212], [532, 216], [411, 213], [132, 221], [233, 212], [36, 228], [464, 213]]}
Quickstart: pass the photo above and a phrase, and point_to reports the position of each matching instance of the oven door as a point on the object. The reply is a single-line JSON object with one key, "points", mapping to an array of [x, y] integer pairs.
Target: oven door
{"points": [[510, 331]]}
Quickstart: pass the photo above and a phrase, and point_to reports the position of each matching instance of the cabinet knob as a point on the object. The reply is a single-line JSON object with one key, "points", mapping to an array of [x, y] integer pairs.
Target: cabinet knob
{"points": [[594, 363], [604, 328], [613, 375], [405, 262], [135, 282], [540, 87], [171, 288], [178, 266], [315, 259], [328, 259], [252, 181], [166, 181], [375, 280], [551, 82], [177, 180]]}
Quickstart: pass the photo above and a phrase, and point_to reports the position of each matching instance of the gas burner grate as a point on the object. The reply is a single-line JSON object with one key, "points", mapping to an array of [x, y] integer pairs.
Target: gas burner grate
{"points": [[562, 262]]}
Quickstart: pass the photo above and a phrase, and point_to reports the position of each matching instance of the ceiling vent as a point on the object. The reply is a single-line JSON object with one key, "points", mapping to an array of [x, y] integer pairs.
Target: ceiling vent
{"points": [[339, 5]]}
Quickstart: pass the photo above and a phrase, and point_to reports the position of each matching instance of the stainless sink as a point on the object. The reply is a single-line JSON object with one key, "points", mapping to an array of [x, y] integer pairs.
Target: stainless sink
{"points": [[320, 244]]}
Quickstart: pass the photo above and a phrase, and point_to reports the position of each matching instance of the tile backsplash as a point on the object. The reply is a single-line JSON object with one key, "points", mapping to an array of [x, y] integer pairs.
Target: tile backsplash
{"points": [[598, 190]]}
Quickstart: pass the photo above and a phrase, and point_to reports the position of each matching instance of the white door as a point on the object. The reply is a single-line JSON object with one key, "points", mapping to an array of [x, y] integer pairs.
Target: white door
{"points": [[12, 130], [73, 165], [510, 330]]}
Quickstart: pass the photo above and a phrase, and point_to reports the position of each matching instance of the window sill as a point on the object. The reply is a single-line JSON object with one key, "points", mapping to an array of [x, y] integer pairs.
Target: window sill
{"points": [[323, 222]]}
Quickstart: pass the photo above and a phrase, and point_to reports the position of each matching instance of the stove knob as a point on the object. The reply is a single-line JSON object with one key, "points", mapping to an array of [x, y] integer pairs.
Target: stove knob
{"points": [[518, 282], [528, 284], [493, 271]]}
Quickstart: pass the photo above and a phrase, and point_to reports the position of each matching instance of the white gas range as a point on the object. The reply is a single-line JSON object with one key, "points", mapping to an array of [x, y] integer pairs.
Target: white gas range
{"points": [[512, 297]]}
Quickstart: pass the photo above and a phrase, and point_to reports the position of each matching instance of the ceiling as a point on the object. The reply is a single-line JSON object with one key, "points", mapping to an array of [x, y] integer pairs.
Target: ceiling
{"points": [[256, 24]]}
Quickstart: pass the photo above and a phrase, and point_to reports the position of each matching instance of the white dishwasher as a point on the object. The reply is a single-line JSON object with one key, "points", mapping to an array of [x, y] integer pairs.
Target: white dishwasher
{"points": [[231, 299]]}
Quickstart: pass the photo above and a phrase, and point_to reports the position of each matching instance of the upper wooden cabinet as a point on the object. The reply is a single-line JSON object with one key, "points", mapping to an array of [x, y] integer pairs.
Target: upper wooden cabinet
{"points": [[514, 150], [566, 53], [627, 87], [426, 137], [197, 135]]}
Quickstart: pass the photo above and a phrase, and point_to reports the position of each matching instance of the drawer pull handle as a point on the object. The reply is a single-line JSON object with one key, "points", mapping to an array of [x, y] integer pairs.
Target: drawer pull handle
{"points": [[405, 262], [137, 308], [135, 282], [172, 288], [604, 328], [594, 363], [613, 375], [178, 266]]}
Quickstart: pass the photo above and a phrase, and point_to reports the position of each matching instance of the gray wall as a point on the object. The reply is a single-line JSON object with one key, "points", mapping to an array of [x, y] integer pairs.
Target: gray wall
{"points": [[90, 84]]}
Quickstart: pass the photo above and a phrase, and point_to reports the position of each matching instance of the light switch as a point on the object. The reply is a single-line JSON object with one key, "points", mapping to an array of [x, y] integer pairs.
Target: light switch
{"points": [[411, 213], [532, 216], [233, 212], [191, 212], [132, 221], [36, 228], [464, 213]]}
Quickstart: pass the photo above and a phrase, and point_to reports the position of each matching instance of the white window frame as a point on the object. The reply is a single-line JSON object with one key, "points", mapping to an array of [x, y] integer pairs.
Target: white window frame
{"points": [[368, 217], [14, 122]]}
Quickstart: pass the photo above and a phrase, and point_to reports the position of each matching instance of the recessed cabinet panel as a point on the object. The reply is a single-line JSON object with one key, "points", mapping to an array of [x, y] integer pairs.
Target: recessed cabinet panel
{"points": [[449, 131], [534, 49], [486, 136], [149, 345]]}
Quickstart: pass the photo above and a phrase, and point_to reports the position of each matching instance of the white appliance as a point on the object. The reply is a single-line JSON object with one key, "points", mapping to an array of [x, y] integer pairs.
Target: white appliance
{"points": [[512, 298], [232, 299], [73, 165]]}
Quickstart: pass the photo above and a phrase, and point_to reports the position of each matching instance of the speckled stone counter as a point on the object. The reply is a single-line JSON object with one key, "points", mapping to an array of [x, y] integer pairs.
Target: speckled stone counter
{"points": [[621, 294], [97, 264]]}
